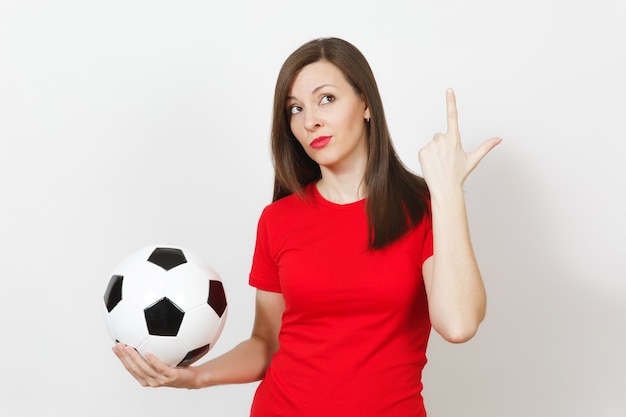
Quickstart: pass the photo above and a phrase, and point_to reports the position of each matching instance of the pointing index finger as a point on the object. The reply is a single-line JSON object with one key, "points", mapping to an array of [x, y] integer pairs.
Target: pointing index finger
{"points": [[452, 114]]}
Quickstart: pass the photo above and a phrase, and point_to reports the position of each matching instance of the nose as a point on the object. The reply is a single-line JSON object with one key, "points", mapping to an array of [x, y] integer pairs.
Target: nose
{"points": [[311, 120]]}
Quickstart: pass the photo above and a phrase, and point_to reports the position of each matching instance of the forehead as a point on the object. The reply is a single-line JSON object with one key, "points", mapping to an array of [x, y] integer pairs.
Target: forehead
{"points": [[315, 75]]}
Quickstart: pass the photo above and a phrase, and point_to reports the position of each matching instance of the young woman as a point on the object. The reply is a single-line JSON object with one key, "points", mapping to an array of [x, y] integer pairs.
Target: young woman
{"points": [[356, 258]]}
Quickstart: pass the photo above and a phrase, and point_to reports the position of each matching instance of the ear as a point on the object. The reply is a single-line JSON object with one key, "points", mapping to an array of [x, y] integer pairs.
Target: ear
{"points": [[366, 113]]}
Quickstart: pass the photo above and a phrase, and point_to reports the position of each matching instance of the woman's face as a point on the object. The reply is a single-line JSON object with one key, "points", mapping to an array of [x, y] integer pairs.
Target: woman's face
{"points": [[328, 117]]}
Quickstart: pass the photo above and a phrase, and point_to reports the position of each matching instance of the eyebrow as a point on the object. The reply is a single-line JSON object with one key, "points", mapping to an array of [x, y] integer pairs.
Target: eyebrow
{"points": [[315, 90]]}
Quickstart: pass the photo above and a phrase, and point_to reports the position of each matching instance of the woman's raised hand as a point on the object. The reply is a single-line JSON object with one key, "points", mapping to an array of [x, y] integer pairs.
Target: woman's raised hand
{"points": [[444, 162]]}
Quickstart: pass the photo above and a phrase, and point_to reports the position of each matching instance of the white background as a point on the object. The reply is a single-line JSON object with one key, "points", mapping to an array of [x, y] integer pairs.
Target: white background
{"points": [[125, 123]]}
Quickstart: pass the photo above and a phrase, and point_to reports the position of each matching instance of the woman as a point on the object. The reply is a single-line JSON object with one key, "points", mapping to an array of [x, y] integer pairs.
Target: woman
{"points": [[355, 260]]}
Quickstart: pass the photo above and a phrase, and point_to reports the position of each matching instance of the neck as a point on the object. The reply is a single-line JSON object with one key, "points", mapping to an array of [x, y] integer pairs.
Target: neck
{"points": [[342, 189]]}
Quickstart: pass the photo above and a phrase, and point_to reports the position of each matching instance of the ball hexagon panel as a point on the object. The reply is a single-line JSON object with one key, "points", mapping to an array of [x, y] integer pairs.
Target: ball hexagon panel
{"points": [[187, 286], [144, 284], [170, 349], [128, 324], [107, 322], [202, 317]]}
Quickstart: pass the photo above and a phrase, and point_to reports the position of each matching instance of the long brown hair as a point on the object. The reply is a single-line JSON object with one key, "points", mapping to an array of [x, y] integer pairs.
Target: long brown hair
{"points": [[397, 199]]}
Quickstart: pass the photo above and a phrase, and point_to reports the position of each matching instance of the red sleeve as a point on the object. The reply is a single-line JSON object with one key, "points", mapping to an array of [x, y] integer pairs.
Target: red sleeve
{"points": [[264, 272], [427, 248]]}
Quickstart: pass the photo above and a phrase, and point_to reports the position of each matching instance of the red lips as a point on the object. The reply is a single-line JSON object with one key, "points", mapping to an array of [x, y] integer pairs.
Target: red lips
{"points": [[320, 142]]}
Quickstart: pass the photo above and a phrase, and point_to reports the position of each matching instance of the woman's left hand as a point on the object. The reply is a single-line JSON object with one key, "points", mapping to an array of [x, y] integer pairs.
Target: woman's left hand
{"points": [[444, 162]]}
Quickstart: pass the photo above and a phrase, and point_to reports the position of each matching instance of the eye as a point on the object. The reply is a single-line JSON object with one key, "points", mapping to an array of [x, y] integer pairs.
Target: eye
{"points": [[294, 109], [327, 98]]}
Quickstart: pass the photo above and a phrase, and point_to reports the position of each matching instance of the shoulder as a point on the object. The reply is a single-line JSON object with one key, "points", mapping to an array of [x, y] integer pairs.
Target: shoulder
{"points": [[291, 207], [285, 205], [293, 201]]}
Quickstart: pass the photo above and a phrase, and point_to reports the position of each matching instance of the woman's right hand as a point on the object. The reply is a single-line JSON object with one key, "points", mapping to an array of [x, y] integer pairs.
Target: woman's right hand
{"points": [[244, 363], [151, 372]]}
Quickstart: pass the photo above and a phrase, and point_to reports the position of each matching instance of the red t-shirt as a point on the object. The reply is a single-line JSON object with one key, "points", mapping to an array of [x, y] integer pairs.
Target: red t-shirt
{"points": [[355, 329]]}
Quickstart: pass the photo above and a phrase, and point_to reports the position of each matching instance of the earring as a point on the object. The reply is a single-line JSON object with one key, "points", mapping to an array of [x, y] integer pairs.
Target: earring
{"points": [[367, 120]]}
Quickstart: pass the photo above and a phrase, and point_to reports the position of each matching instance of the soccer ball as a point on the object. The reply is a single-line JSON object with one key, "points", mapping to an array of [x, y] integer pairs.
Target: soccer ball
{"points": [[168, 301]]}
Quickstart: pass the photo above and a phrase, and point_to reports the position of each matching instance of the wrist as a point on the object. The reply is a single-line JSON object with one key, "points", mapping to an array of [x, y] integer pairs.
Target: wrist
{"points": [[444, 197], [196, 378], [200, 377]]}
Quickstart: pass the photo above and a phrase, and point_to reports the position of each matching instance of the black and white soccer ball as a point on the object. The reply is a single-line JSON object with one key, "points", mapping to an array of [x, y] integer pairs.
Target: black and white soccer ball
{"points": [[168, 301]]}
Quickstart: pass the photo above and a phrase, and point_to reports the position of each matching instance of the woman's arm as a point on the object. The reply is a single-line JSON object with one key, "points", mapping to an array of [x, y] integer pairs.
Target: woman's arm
{"points": [[456, 294], [246, 362]]}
